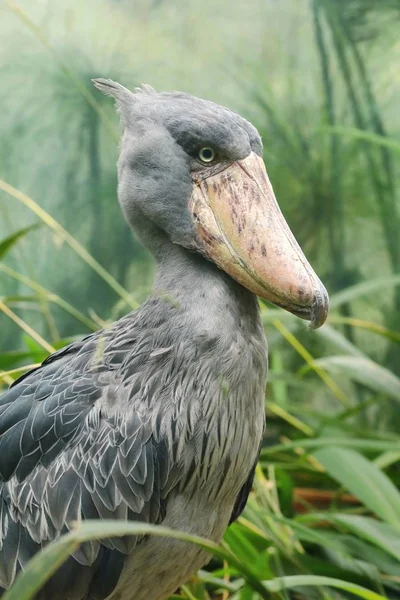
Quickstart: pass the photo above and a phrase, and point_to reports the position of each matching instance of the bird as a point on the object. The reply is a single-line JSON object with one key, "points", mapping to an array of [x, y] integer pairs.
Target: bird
{"points": [[159, 417]]}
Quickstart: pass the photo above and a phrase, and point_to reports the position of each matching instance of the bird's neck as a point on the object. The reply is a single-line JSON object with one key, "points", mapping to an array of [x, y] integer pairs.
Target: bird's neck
{"points": [[213, 326], [204, 292]]}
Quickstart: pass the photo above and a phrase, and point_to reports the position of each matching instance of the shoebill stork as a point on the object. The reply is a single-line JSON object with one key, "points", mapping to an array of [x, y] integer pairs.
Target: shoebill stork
{"points": [[159, 417]]}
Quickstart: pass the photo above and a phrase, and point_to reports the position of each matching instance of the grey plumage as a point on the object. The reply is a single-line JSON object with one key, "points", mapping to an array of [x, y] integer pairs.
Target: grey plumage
{"points": [[158, 418], [116, 424]]}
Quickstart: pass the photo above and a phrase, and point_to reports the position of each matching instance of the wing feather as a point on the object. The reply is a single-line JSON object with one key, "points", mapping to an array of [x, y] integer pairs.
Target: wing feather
{"points": [[10, 551], [78, 441]]}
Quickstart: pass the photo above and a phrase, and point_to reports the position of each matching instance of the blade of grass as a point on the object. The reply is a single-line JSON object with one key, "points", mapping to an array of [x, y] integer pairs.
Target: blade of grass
{"points": [[218, 582], [71, 241], [51, 297], [358, 443], [6, 375], [5, 246], [361, 134], [279, 386], [295, 581], [362, 370], [381, 534], [6, 378], [187, 593], [292, 420], [21, 323], [305, 354], [336, 340], [387, 459], [7, 243], [44, 564], [362, 289], [393, 336]]}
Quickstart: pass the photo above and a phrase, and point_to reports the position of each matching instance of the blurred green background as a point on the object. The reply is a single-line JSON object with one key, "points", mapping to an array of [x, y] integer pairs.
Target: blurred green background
{"points": [[320, 80]]}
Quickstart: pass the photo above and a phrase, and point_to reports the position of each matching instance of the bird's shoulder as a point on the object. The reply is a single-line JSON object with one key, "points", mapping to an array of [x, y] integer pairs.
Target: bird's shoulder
{"points": [[78, 391]]}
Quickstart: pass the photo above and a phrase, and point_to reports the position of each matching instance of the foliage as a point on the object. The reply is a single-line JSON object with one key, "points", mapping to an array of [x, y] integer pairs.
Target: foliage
{"points": [[323, 519]]}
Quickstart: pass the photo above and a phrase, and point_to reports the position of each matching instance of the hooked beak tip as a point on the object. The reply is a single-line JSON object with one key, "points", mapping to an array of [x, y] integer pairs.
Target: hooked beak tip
{"points": [[319, 308]]}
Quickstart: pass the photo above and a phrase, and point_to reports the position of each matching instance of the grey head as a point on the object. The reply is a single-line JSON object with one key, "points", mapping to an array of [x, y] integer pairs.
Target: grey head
{"points": [[190, 172], [162, 136]]}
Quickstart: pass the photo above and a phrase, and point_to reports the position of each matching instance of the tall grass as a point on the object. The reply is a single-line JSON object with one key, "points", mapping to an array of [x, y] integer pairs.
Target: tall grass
{"points": [[323, 518]]}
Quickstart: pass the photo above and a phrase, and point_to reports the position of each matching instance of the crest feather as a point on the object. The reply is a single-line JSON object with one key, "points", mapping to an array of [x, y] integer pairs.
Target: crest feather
{"points": [[112, 88], [145, 88], [124, 98]]}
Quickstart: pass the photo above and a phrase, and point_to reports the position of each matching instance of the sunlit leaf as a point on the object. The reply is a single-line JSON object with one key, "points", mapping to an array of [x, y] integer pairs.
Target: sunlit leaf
{"points": [[363, 479], [295, 581]]}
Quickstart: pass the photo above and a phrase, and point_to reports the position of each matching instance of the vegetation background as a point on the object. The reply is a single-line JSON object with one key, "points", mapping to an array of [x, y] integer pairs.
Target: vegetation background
{"points": [[320, 80]]}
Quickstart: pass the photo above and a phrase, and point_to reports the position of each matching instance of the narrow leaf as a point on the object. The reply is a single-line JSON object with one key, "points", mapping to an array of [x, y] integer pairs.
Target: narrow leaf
{"points": [[362, 289], [364, 371], [363, 479], [294, 581], [11, 240], [380, 534], [46, 562]]}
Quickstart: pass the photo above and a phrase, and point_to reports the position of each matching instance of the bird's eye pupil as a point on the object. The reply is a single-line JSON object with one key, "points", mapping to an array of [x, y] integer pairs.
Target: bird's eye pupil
{"points": [[206, 154]]}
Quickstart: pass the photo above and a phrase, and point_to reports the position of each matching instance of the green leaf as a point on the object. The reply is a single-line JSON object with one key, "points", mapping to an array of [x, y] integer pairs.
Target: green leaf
{"points": [[16, 358], [363, 479], [382, 535], [368, 326], [362, 289], [44, 564], [337, 341], [362, 134], [359, 443], [11, 240], [218, 582], [40, 568], [364, 371], [294, 581], [239, 543]]}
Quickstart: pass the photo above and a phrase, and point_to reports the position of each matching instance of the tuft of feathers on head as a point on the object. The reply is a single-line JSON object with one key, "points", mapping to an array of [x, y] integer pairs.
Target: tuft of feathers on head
{"points": [[118, 91], [145, 88], [112, 88], [123, 97]]}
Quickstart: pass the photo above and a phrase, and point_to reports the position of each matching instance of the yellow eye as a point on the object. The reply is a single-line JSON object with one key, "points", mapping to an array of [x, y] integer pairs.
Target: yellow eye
{"points": [[206, 154]]}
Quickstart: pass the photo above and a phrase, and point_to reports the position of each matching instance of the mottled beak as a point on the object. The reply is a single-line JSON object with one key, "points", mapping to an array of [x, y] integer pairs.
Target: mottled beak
{"points": [[241, 228]]}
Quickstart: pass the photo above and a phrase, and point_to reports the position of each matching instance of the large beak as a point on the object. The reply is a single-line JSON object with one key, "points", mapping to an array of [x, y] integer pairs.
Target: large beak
{"points": [[241, 228]]}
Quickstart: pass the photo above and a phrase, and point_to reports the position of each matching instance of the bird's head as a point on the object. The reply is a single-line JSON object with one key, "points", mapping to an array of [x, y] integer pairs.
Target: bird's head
{"points": [[193, 171]]}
